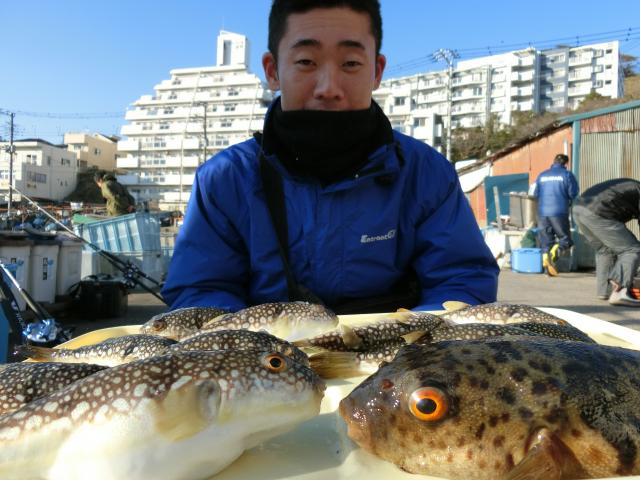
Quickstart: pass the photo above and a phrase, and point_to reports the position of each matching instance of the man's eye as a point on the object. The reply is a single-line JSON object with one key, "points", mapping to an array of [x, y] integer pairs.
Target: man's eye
{"points": [[352, 64], [304, 61]]}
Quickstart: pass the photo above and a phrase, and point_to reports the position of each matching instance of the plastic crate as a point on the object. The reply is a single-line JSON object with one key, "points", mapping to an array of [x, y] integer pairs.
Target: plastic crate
{"points": [[526, 260], [134, 232]]}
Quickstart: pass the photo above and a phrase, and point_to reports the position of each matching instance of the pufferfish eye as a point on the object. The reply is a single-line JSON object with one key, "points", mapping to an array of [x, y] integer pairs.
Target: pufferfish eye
{"points": [[158, 325], [275, 362], [428, 404]]}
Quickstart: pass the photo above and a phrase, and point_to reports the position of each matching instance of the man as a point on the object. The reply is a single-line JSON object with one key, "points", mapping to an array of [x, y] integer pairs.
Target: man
{"points": [[601, 213], [329, 202], [119, 200], [555, 188]]}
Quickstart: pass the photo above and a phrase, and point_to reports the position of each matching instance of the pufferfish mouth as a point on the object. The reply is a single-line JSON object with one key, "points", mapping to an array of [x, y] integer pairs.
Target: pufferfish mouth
{"points": [[357, 422]]}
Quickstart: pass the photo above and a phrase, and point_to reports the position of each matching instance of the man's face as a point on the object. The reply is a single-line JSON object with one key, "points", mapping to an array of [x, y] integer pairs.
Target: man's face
{"points": [[326, 61]]}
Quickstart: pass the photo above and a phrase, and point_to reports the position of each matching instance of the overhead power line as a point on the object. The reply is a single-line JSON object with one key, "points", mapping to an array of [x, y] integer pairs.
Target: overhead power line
{"points": [[627, 36], [68, 116]]}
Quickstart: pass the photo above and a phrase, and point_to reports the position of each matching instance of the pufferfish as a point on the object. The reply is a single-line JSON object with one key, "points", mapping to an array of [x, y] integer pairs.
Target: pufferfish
{"points": [[179, 416], [512, 408]]}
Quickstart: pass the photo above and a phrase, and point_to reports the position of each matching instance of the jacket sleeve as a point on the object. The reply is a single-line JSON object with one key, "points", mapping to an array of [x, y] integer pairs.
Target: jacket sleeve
{"points": [[453, 262], [572, 187], [209, 266]]}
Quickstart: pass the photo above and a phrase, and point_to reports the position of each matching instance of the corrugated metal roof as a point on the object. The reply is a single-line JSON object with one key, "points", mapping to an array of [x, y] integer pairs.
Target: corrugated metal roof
{"points": [[599, 111]]}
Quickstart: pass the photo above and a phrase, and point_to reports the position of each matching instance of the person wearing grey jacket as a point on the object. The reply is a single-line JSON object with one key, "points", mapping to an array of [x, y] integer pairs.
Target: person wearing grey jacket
{"points": [[601, 212]]}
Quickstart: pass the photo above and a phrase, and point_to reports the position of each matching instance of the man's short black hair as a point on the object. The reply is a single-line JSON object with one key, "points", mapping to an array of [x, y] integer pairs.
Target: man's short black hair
{"points": [[281, 9], [561, 159], [97, 177]]}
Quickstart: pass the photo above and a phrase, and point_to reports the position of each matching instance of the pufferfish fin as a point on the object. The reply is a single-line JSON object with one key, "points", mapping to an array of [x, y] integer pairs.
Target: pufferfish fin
{"points": [[187, 410], [548, 458], [336, 365], [413, 336], [39, 354], [453, 305], [349, 337]]}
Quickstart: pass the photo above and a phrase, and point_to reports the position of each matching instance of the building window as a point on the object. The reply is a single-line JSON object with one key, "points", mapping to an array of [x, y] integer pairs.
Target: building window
{"points": [[607, 67], [607, 82], [231, 107], [477, 91], [418, 122], [168, 111], [399, 101], [36, 177], [97, 151], [608, 50], [48, 159]]}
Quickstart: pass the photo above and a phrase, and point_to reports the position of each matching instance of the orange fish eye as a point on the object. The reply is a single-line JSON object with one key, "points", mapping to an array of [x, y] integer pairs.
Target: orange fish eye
{"points": [[275, 362], [159, 325], [428, 404]]}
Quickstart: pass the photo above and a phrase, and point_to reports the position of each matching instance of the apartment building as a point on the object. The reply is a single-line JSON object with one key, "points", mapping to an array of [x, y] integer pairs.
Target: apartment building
{"points": [[525, 80], [97, 150], [40, 170], [200, 111], [193, 115]]}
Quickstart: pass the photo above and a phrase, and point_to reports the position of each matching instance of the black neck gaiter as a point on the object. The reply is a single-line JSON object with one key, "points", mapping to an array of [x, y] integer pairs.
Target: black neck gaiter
{"points": [[327, 145]]}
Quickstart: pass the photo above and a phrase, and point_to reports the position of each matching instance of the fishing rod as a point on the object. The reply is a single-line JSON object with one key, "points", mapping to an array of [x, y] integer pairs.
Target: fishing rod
{"points": [[38, 309], [131, 272], [44, 330]]}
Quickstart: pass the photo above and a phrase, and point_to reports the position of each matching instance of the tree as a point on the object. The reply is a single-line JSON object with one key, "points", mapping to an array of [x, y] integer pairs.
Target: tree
{"points": [[629, 65]]}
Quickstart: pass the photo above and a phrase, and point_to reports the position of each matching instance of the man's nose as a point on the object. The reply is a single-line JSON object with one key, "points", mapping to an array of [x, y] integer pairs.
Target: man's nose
{"points": [[328, 86]]}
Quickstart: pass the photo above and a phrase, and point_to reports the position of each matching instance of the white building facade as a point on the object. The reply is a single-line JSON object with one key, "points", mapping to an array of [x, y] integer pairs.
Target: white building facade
{"points": [[527, 80], [40, 170], [192, 116]]}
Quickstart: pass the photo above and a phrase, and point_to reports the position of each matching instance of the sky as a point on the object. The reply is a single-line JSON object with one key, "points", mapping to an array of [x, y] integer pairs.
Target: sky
{"points": [[91, 58]]}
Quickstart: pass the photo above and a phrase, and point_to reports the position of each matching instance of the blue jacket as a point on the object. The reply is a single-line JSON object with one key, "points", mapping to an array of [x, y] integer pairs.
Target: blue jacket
{"points": [[555, 189], [354, 238]]}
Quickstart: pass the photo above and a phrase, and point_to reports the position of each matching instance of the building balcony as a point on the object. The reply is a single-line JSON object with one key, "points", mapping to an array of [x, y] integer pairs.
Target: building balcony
{"points": [[128, 145], [524, 62], [175, 197], [469, 80], [579, 90], [522, 76], [582, 74], [129, 161], [432, 84], [139, 115], [582, 59], [522, 91], [522, 106]]}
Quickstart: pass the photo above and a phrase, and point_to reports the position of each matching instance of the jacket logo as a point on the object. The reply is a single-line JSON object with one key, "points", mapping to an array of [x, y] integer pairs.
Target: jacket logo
{"points": [[388, 236]]}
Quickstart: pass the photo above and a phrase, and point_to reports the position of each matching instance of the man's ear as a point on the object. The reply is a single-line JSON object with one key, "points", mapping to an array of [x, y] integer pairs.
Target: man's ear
{"points": [[381, 62], [270, 67]]}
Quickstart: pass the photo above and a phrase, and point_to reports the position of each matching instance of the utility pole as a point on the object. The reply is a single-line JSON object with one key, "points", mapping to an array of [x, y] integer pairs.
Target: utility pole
{"points": [[12, 149], [447, 55]]}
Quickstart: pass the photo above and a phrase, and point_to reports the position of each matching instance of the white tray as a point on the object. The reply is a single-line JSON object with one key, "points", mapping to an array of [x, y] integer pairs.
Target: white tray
{"points": [[320, 449]]}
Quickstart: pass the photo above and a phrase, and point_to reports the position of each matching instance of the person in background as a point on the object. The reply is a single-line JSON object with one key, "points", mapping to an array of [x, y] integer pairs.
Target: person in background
{"points": [[119, 200], [328, 203], [601, 213], [555, 188]]}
